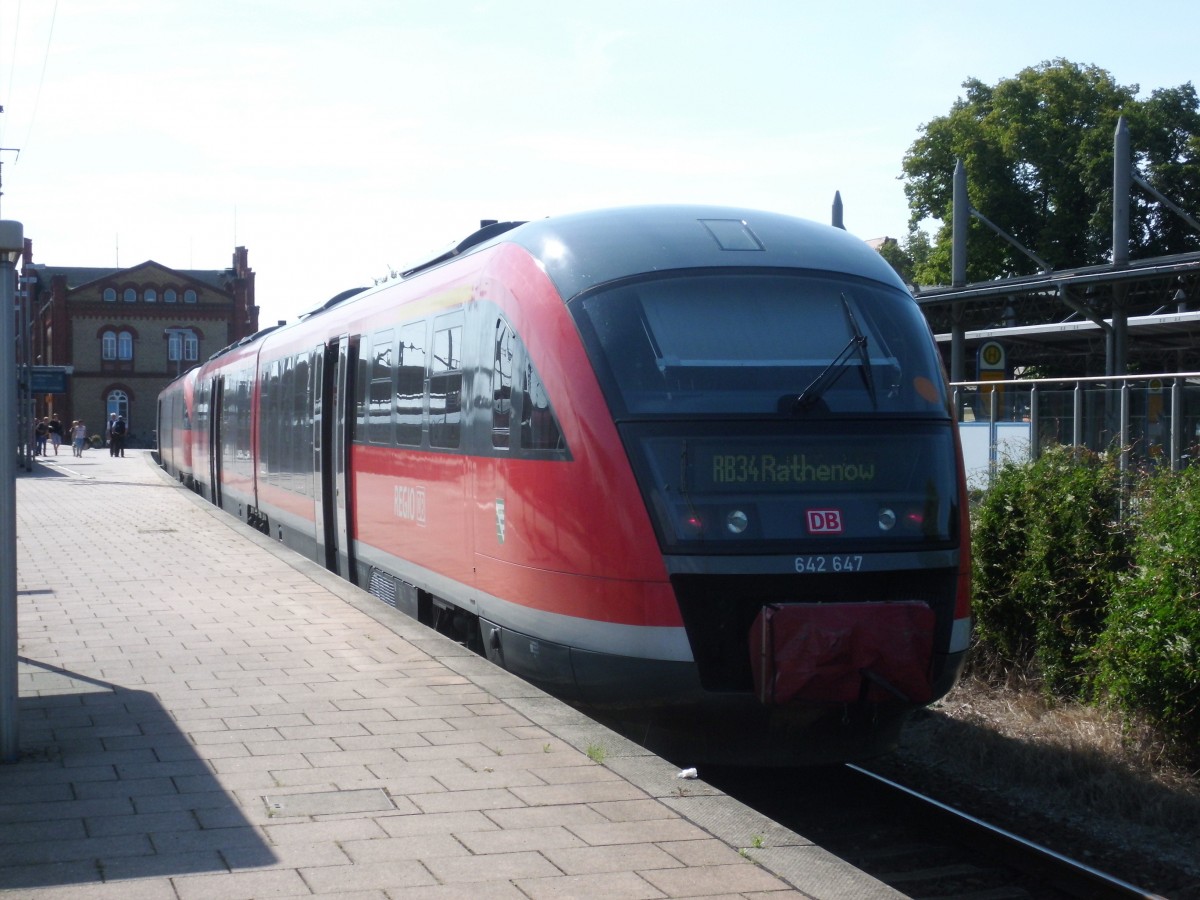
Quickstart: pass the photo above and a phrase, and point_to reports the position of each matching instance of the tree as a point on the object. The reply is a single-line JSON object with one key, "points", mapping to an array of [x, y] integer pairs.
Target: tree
{"points": [[1168, 156], [1038, 152], [908, 256], [897, 258]]}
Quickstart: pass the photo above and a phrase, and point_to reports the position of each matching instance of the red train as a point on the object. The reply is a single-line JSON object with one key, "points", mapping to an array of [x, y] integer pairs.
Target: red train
{"points": [[691, 468]]}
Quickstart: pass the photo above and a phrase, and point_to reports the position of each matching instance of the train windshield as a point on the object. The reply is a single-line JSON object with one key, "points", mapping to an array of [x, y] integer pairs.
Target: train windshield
{"points": [[752, 343]]}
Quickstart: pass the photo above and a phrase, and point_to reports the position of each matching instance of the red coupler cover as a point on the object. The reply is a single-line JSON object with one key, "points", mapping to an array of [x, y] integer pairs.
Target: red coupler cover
{"points": [[843, 652]]}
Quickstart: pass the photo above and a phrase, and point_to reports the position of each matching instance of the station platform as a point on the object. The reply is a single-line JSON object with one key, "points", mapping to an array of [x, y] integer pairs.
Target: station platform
{"points": [[204, 713]]}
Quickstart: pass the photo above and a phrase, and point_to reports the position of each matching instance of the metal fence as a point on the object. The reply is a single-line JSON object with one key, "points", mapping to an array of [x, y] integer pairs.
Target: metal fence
{"points": [[1151, 421]]}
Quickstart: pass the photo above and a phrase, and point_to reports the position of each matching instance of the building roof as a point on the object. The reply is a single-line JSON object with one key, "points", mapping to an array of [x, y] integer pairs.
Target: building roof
{"points": [[78, 276]]}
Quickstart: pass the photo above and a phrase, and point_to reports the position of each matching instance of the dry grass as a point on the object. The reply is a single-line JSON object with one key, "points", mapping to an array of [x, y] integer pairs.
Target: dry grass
{"points": [[1069, 763]]}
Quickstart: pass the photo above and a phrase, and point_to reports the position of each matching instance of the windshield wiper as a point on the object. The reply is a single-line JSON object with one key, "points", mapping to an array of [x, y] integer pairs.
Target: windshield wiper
{"points": [[832, 372], [864, 355]]}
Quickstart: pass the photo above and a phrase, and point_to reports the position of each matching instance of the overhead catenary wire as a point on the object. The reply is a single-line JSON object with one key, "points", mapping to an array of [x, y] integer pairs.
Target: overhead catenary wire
{"points": [[16, 42], [42, 75]]}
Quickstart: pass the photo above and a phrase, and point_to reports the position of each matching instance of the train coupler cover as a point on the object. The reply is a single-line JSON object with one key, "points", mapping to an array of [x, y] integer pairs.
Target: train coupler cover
{"points": [[843, 652]]}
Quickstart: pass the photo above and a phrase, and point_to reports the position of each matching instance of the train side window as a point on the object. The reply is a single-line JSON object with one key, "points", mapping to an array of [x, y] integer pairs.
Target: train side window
{"points": [[264, 407], [445, 382], [283, 387], [539, 426], [301, 419], [201, 399], [282, 413], [410, 384], [362, 387], [502, 382], [266, 399], [276, 420], [379, 400], [245, 459]]}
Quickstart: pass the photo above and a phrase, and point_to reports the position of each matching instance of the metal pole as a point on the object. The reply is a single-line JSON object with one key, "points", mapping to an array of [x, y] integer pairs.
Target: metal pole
{"points": [[959, 217], [1123, 434], [1120, 332], [21, 371], [960, 214], [12, 240], [993, 454], [1035, 443], [27, 355], [1176, 423], [1122, 163], [1125, 480], [1077, 439]]}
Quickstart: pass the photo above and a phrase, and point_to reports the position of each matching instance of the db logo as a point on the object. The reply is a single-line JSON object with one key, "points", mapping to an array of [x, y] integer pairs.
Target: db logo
{"points": [[824, 521]]}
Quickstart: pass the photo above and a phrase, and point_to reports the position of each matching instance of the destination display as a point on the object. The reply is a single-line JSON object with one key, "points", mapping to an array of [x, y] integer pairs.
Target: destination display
{"points": [[849, 464]]}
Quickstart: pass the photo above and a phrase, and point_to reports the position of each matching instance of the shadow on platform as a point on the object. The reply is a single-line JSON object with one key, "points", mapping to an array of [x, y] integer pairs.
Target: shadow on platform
{"points": [[108, 788]]}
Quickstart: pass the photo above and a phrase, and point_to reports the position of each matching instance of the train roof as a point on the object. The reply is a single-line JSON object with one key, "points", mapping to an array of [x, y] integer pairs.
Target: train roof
{"points": [[582, 250], [579, 251], [248, 339]]}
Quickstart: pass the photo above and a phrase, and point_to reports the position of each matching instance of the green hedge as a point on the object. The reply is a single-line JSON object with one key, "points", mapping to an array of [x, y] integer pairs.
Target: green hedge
{"points": [[1047, 552], [1148, 657], [1092, 604]]}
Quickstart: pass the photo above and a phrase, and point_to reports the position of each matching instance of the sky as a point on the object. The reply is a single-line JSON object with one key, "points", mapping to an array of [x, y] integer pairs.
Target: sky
{"points": [[338, 142]]}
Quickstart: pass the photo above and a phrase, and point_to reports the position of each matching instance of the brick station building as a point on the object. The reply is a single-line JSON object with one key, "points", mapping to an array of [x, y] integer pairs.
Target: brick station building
{"points": [[128, 332]]}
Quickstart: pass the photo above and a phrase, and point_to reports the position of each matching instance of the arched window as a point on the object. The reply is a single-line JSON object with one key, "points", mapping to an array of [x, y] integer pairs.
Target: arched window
{"points": [[125, 346], [169, 295], [130, 295], [150, 295], [108, 345], [189, 296], [117, 402], [110, 295]]}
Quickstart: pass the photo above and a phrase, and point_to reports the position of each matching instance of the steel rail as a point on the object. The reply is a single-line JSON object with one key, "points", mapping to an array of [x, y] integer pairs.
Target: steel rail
{"points": [[1064, 872]]}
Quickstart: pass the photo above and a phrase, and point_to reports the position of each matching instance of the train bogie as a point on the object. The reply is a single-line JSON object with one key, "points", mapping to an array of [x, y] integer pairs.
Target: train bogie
{"points": [[673, 464]]}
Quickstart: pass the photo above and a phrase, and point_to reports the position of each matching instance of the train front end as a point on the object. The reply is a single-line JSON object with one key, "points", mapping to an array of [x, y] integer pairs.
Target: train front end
{"points": [[783, 408]]}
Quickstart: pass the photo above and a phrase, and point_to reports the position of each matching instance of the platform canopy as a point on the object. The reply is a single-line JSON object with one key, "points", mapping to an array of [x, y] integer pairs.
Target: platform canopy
{"points": [[1070, 322]]}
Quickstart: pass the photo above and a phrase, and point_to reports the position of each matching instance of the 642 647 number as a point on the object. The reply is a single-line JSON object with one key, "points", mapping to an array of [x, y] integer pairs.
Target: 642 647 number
{"points": [[816, 565]]}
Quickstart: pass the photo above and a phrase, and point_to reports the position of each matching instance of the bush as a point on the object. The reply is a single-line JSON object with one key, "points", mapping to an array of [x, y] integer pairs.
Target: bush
{"points": [[999, 546], [1148, 656], [1048, 549]]}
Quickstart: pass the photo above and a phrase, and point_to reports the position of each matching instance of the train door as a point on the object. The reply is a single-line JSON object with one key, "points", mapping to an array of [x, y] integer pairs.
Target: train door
{"points": [[326, 545], [162, 437], [216, 450], [336, 429]]}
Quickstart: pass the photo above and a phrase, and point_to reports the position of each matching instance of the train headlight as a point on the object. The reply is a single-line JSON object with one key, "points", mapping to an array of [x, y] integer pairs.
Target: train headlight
{"points": [[737, 522], [887, 518]]}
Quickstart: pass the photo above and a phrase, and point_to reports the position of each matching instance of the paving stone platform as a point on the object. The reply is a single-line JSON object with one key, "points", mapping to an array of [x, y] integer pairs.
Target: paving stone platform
{"points": [[206, 714]]}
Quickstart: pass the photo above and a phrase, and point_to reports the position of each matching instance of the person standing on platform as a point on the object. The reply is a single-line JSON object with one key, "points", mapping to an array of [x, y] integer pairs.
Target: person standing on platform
{"points": [[116, 442], [56, 432], [41, 434], [112, 420], [79, 436]]}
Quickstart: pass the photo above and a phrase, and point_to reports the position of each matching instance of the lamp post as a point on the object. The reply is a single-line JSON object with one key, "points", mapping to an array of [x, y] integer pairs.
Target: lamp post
{"points": [[11, 243]]}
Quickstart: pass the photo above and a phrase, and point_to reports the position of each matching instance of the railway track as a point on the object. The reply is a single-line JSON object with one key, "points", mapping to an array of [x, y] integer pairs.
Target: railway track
{"points": [[917, 845]]}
